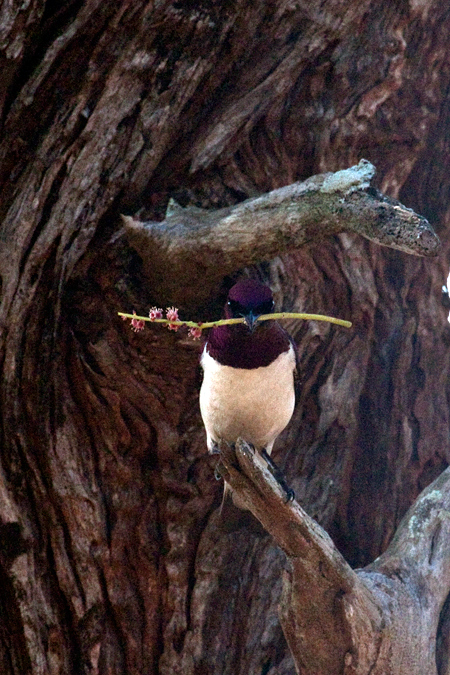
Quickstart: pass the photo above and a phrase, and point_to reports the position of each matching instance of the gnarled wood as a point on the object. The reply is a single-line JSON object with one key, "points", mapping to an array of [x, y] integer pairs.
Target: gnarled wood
{"points": [[375, 620], [113, 558], [190, 252]]}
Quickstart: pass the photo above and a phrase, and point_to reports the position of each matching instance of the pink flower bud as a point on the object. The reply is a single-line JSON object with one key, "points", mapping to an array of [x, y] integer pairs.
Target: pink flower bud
{"points": [[155, 313], [137, 324], [195, 332], [172, 314]]}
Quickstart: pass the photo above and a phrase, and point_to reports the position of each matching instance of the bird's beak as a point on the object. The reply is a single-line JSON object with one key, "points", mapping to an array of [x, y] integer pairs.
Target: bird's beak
{"points": [[251, 320]]}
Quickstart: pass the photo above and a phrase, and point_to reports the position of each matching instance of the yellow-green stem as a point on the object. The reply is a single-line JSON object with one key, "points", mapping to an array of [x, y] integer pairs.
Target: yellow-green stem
{"points": [[225, 322]]}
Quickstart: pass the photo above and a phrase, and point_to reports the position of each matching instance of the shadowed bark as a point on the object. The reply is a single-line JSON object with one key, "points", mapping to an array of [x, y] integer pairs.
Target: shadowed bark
{"points": [[113, 558]]}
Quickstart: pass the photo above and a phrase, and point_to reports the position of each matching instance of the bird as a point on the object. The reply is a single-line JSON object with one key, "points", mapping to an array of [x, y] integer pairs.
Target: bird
{"points": [[248, 375]]}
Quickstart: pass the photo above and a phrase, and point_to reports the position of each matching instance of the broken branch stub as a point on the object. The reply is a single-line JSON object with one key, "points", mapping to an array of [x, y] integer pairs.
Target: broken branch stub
{"points": [[341, 621], [186, 255]]}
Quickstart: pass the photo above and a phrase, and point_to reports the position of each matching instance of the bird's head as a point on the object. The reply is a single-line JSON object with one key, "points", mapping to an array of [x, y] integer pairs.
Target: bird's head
{"points": [[250, 299]]}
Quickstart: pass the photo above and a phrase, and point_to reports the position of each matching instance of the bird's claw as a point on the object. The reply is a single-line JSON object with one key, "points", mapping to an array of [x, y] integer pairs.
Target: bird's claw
{"points": [[279, 477], [290, 494]]}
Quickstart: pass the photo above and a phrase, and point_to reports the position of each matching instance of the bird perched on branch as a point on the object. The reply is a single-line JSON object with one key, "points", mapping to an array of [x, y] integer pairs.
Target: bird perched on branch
{"points": [[248, 383]]}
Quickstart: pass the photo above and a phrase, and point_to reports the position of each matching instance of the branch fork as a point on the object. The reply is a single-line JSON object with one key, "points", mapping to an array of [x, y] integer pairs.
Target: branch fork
{"points": [[340, 621]]}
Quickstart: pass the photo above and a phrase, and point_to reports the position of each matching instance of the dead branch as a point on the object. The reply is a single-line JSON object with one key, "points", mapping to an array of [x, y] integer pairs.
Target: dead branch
{"points": [[189, 252], [336, 620]]}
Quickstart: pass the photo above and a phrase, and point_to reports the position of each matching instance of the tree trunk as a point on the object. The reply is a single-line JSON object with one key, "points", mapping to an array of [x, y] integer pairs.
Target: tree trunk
{"points": [[113, 556]]}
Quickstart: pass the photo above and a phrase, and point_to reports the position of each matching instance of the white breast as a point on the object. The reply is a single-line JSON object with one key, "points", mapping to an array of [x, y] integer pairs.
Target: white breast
{"points": [[254, 404]]}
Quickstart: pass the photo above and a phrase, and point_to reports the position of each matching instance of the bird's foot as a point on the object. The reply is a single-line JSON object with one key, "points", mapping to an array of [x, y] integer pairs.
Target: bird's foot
{"points": [[279, 476]]}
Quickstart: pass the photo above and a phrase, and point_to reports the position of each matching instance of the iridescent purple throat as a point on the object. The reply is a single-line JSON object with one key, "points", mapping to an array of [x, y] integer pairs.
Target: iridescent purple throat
{"points": [[236, 346]]}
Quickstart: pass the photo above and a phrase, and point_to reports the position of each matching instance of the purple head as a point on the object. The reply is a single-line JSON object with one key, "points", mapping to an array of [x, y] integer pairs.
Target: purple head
{"points": [[249, 298], [241, 346]]}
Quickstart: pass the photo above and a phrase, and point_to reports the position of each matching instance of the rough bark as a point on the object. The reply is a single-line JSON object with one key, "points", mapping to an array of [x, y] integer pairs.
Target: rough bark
{"points": [[373, 620], [113, 558]]}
